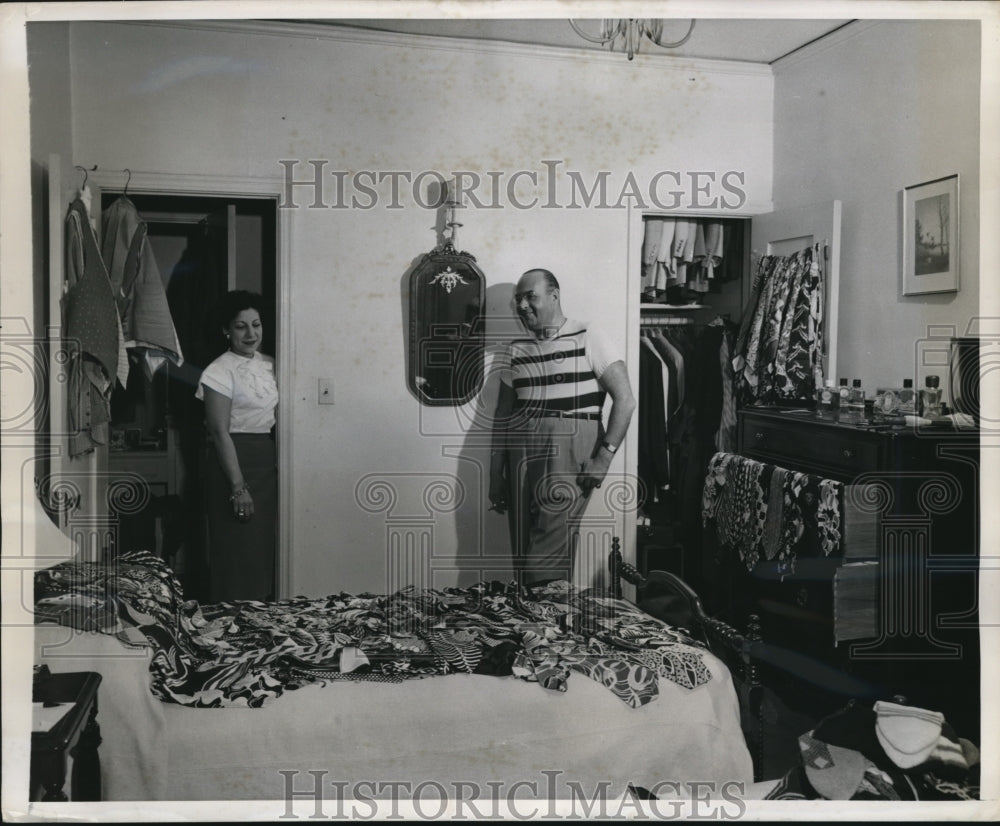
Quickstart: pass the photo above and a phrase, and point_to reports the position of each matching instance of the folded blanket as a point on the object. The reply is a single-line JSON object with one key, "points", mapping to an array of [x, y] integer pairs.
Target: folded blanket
{"points": [[247, 653]]}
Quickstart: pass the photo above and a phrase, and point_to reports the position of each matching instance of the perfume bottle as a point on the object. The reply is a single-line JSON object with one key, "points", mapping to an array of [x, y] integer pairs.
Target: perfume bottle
{"points": [[856, 403], [829, 401], [844, 392], [930, 397], [907, 398], [886, 405]]}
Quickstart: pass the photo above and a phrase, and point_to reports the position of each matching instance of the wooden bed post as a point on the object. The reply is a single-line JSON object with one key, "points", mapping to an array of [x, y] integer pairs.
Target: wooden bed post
{"points": [[755, 696], [739, 652], [615, 567]]}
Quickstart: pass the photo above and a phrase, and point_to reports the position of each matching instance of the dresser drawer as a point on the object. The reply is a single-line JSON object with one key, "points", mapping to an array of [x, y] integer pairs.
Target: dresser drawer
{"points": [[838, 452]]}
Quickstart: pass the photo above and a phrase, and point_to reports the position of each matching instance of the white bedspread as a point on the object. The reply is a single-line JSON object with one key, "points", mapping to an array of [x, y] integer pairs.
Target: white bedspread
{"points": [[469, 728]]}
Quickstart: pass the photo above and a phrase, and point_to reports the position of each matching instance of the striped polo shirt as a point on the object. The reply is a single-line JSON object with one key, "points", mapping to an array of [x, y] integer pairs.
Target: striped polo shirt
{"points": [[559, 374]]}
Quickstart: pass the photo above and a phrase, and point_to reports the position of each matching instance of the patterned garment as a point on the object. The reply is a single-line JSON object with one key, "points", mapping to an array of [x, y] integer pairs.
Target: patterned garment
{"points": [[881, 784], [781, 340], [764, 511], [248, 653]]}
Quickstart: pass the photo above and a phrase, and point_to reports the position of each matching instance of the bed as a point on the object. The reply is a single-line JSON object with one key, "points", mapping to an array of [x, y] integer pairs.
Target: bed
{"points": [[585, 695]]}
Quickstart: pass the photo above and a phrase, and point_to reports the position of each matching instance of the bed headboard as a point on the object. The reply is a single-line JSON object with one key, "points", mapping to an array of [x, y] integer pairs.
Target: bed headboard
{"points": [[668, 597]]}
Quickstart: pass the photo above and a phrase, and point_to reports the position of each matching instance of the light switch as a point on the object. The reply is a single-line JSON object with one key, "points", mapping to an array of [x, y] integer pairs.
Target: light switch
{"points": [[326, 391]]}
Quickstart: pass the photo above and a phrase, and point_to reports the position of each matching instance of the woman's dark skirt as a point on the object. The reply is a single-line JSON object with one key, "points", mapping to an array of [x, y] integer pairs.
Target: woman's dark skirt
{"points": [[242, 555]]}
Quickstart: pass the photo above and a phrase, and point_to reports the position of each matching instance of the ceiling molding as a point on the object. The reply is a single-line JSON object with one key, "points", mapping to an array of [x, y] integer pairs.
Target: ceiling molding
{"points": [[347, 34], [823, 44]]}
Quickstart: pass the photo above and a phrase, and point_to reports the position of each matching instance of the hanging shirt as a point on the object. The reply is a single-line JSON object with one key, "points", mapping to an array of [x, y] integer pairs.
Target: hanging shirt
{"points": [[92, 331], [91, 319], [650, 249], [249, 384], [137, 286]]}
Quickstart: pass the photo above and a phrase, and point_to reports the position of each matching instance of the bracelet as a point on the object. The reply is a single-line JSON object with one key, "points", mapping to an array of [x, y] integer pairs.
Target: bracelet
{"points": [[238, 493]]}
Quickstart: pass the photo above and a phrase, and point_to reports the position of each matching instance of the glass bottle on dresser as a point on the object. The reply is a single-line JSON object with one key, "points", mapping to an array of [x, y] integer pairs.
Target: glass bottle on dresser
{"points": [[829, 402], [930, 397], [907, 398], [843, 392], [856, 402]]}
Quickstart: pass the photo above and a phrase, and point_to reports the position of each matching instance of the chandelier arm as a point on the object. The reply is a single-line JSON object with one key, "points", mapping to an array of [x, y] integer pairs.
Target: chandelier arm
{"points": [[676, 43], [603, 41]]}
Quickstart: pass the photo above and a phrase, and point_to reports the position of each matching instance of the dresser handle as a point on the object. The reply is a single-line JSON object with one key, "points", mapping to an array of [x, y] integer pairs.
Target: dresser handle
{"points": [[848, 453], [759, 436], [801, 597]]}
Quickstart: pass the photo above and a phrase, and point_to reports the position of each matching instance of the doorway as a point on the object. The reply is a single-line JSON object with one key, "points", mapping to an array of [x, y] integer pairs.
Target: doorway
{"points": [[204, 246]]}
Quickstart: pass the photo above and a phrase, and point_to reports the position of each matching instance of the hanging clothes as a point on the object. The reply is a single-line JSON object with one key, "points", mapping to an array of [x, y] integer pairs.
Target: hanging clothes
{"points": [[138, 289], [653, 467], [781, 339], [683, 258], [665, 276], [714, 246], [92, 330], [725, 438], [650, 250]]}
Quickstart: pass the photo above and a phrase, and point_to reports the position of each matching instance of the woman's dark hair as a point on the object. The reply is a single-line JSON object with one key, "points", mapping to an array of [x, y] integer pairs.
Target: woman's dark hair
{"points": [[235, 302]]}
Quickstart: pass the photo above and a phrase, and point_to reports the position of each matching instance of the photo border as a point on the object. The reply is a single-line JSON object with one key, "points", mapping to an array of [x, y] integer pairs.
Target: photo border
{"points": [[940, 282]]}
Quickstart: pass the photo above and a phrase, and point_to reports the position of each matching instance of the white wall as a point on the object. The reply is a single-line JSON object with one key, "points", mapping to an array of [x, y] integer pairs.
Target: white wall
{"points": [[170, 99], [880, 107]]}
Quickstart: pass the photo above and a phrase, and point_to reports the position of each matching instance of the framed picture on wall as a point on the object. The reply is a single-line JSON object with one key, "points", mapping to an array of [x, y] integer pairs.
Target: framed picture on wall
{"points": [[930, 237]]}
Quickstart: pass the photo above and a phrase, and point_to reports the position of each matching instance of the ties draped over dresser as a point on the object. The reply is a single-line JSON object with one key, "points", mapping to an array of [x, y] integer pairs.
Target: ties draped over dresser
{"points": [[763, 512]]}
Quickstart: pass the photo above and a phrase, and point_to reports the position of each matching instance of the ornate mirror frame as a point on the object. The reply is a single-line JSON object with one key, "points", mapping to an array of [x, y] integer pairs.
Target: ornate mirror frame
{"points": [[447, 306]]}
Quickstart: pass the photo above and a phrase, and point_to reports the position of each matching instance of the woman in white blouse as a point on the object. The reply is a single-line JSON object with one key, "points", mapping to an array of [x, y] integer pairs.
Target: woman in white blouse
{"points": [[240, 394]]}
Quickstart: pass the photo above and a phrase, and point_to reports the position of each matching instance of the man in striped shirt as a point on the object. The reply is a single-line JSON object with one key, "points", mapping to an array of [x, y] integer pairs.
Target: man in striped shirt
{"points": [[550, 448]]}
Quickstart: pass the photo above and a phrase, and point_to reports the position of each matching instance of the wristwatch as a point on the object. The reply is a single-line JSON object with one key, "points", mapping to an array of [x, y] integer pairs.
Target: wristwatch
{"points": [[610, 448]]}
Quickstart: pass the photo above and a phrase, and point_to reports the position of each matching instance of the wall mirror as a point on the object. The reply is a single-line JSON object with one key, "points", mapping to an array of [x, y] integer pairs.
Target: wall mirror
{"points": [[447, 299]]}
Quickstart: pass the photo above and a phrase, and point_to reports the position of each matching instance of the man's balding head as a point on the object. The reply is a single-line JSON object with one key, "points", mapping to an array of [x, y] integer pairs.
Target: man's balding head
{"points": [[536, 299]]}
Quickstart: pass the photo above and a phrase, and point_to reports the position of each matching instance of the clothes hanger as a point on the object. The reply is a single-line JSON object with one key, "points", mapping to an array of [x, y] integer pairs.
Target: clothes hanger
{"points": [[127, 182], [86, 174], [84, 192]]}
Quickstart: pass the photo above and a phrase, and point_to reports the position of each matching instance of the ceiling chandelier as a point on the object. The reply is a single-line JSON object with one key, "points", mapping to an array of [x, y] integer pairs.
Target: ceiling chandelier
{"points": [[629, 33]]}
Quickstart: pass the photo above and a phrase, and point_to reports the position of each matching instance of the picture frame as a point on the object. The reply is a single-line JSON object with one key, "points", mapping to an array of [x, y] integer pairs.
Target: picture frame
{"points": [[931, 237]]}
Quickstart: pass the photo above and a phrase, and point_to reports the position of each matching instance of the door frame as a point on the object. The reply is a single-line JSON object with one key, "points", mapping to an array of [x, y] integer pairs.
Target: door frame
{"points": [[635, 228], [238, 186]]}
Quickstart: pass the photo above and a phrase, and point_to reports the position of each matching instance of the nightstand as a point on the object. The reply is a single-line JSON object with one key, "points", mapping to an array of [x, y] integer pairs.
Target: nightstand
{"points": [[71, 744]]}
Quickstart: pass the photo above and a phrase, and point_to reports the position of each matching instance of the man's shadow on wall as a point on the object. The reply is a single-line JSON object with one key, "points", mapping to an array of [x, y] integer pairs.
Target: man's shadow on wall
{"points": [[483, 537]]}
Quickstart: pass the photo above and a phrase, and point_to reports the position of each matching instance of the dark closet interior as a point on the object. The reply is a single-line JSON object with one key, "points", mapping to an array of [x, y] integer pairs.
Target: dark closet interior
{"points": [[203, 246], [687, 313]]}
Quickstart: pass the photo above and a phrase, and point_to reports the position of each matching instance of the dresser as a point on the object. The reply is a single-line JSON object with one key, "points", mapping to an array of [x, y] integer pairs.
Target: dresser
{"points": [[897, 612]]}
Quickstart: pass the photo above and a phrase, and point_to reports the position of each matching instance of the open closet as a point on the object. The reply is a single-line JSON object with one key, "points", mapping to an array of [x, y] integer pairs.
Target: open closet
{"points": [[700, 301], [693, 275]]}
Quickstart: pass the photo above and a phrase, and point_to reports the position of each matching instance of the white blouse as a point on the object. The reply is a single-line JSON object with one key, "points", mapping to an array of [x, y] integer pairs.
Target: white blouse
{"points": [[249, 383]]}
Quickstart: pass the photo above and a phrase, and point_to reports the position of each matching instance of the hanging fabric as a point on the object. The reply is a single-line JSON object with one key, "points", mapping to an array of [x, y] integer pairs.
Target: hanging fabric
{"points": [[92, 332], [147, 325], [781, 338]]}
